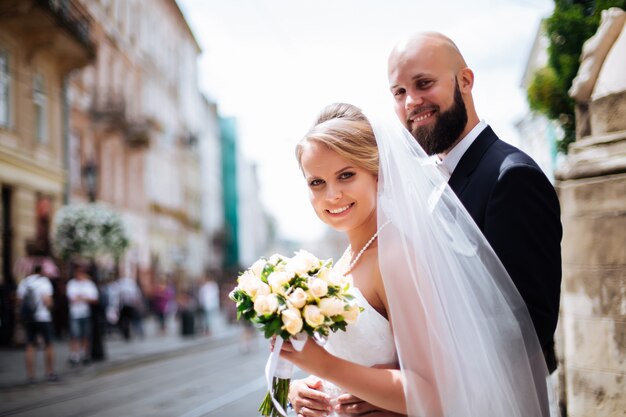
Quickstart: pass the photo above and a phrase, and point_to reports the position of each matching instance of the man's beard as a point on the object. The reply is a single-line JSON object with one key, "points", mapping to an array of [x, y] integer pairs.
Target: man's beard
{"points": [[447, 129]]}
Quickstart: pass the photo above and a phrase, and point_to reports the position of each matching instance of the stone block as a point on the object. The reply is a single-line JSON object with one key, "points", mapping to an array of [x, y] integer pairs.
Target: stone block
{"points": [[608, 114], [595, 156], [595, 393], [593, 196], [597, 241], [594, 292], [592, 343]]}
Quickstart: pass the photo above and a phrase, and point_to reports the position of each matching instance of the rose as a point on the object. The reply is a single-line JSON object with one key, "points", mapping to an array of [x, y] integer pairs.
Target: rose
{"points": [[277, 280], [292, 321], [275, 258], [334, 278], [331, 306], [298, 298], [351, 314], [317, 287], [266, 304], [301, 263], [257, 267], [252, 285], [323, 273], [313, 316], [309, 260]]}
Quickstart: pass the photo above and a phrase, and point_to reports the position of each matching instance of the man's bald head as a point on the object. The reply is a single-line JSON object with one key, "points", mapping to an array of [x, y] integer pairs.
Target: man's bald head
{"points": [[430, 42]]}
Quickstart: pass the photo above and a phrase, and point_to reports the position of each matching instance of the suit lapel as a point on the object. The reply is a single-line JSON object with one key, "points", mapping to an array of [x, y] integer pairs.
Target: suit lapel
{"points": [[469, 161]]}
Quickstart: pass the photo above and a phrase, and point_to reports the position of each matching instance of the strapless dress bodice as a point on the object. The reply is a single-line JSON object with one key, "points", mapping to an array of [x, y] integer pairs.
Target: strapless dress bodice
{"points": [[368, 341]]}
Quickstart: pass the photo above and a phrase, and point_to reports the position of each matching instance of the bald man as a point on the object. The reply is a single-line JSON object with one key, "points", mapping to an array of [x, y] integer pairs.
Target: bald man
{"points": [[503, 189]]}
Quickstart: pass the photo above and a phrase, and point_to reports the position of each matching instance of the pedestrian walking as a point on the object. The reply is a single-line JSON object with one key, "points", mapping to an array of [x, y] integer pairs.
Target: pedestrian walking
{"points": [[81, 293], [209, 298], [35, 298]]}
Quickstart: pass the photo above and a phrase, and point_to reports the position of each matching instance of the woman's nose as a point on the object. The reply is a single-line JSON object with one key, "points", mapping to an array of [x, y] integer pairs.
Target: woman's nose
{"points": [[333, 193]]}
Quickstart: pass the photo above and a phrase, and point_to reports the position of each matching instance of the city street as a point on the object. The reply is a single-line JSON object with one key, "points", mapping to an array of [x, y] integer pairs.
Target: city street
{"points": [[210, 379]]}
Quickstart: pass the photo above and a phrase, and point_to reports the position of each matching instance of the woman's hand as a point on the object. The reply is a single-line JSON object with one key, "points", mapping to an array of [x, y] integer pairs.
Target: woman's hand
{"points": [[312, 358], [308, 399]]}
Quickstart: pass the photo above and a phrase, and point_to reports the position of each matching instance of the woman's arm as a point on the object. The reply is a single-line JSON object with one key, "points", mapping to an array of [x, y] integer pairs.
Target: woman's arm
{"points": [[380, 387]]}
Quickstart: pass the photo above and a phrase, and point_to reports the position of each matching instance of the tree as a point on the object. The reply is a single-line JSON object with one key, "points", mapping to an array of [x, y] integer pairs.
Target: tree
{"points": [[89, 230], [571, 24]]}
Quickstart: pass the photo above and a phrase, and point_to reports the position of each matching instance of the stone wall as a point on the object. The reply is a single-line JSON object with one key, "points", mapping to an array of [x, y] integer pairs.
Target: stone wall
{"points": [[592, 189]]}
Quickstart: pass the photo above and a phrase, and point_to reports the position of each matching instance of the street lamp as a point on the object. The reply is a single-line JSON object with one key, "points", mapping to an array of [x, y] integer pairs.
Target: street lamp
{"points": [[90, 179], [89, 174]]}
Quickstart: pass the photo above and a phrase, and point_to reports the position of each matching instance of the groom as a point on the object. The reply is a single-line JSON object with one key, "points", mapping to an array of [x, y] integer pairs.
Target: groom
{"points": [[502, 188]]}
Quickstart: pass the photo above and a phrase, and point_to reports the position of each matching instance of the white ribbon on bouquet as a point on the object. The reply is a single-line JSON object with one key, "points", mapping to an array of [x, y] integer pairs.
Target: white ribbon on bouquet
{"points": [[281, 368]]}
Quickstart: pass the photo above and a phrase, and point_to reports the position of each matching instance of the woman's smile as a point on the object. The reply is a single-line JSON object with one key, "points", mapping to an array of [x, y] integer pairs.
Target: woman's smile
{"points": [[340, 211]]}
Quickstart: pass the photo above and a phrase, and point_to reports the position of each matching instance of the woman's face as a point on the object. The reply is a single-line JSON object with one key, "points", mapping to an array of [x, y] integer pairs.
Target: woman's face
{"points": [[343, 195]]}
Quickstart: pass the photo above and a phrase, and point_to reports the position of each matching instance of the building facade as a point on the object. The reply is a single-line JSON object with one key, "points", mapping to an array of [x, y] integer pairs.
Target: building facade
{"points": [[40, 43], [137, 122]]}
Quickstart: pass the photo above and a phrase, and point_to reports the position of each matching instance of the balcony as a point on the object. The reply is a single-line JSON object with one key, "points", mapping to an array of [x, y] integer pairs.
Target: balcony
{"points": [[109, 111], [139, 131], [62, 26]]}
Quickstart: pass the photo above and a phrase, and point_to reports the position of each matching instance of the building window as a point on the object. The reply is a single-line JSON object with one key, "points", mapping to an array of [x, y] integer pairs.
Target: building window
{"points": [[5, 89], [40, 101]]}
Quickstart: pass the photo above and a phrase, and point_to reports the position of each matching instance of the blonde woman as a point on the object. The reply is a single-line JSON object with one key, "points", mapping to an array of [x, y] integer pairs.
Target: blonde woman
{"points": [[437, 300]]}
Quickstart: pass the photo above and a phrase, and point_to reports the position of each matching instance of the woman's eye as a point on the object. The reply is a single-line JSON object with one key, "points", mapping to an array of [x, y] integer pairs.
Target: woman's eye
{"points": [[346, 175], [315, 183]]}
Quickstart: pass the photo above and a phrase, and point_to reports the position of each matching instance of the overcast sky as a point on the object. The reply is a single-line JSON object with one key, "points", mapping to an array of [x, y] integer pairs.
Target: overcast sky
{"points": [[273, 64]]}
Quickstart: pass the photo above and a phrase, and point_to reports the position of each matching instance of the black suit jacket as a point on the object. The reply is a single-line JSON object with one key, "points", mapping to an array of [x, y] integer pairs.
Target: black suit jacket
{"points": [[517, 209]]}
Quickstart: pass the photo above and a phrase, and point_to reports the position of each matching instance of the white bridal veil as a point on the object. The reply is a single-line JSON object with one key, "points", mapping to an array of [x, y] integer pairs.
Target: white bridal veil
{"points": [[465, 340]]}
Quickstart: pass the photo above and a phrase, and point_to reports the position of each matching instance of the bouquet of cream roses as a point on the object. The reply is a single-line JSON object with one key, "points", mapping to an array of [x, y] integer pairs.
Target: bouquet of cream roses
{"points": [[291, 298]]}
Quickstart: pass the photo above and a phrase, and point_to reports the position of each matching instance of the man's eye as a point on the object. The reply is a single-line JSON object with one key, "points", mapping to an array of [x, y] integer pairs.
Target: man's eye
{"points": [[315, 183], [424, 83], [399, 92], [346, 175]]}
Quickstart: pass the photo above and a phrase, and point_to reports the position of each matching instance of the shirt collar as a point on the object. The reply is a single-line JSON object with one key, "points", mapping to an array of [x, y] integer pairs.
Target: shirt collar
{"points": [[452, 158]]}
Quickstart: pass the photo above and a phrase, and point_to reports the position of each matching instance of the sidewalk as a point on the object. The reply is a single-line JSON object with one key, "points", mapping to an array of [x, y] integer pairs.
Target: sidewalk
{"points": [[119, 353]]}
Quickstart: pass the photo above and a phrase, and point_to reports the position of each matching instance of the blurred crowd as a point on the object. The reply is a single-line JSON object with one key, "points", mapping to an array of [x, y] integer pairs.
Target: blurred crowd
{"points": [[89, 308]]}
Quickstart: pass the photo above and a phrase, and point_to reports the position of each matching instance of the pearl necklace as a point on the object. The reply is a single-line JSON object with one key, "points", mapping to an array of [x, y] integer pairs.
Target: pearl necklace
{"points": [[367, 245]]}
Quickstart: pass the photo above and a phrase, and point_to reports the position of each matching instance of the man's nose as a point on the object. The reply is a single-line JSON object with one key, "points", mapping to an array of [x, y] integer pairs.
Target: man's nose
{"points": [[413, 99]]}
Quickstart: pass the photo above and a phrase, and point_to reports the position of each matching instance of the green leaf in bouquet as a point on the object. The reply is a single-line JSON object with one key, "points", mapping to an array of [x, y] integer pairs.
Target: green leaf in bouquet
{"points": [[339, 325], [348, 297], [282, 301], [333, 290], [267, 270], [272, 327], [244, 303], [300, 282], [322, 331]]}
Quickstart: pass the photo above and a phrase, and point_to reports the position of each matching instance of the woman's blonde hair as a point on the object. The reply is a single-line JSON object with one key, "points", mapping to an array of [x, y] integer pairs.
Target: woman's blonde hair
{"points": [[344, 129]]}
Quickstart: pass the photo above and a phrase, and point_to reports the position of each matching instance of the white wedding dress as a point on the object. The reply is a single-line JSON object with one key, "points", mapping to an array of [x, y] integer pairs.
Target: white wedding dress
{"points": [[368, 342]]}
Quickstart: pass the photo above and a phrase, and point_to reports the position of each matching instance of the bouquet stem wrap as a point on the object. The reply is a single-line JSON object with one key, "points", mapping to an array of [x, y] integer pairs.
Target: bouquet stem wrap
{"points": [[278, 373]]}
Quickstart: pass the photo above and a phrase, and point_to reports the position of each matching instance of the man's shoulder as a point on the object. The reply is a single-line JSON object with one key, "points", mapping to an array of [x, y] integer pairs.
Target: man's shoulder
{"points": [[503, 156], [42, 283]]}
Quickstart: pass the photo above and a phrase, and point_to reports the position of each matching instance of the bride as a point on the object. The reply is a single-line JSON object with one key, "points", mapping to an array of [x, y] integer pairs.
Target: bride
{"points": [[439, 307]]}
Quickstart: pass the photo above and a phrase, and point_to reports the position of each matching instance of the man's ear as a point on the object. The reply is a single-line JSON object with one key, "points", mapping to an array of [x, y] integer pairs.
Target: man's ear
{"points": [[466, 80]]}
